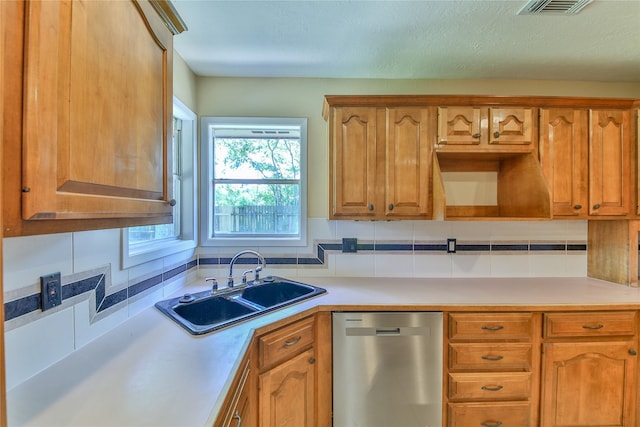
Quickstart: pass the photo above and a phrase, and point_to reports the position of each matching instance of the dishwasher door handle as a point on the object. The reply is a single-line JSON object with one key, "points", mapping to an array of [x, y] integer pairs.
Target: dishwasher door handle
{"points": [[388, 331]]}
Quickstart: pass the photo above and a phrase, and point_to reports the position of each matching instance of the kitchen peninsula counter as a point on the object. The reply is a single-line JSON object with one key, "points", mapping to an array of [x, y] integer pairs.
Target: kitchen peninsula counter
{"points": [[149, 371]]}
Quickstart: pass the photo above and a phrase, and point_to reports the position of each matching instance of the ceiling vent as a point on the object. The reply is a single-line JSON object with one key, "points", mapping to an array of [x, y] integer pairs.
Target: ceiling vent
{"points": [[553, 7]]}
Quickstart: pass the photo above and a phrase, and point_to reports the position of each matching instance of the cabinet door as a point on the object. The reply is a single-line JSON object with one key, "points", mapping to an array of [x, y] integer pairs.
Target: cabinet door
{"points": [[610, 163], [563, 156], [286, 394], [459, 125], [589, 384], [97, 111], [353, 162], [511, 126], [408, 162]]}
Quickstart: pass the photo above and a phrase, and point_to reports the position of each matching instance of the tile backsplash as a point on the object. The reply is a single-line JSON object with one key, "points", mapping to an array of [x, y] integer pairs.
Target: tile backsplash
{"points": [[98, 294]]}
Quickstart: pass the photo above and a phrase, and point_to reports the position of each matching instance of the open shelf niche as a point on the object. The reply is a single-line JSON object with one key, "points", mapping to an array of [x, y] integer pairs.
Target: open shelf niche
{"points": [[520, 191]]}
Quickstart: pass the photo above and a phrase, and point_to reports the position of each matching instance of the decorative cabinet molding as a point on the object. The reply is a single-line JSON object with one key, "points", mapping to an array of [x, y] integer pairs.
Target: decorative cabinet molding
{"points": [[92, 146]]}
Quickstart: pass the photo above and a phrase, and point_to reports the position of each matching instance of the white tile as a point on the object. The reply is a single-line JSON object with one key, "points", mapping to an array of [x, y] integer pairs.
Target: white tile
{"points": [[321, 229], [432, 230], [393, 230], [36, 346], [548, 265], [139, 303], [575, 230], [510, 265], [25, 259], [96, 248], [363, 230], [432, 265], [576, 264], [85, 331], [355, 265], [326, 270], [511, 230], [171, 261], [471, 265], [472, 230], [393, 265]]}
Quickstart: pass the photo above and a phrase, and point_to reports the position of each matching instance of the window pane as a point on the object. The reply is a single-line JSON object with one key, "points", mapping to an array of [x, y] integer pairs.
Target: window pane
{"points": [[243, 158], [258, 209]]}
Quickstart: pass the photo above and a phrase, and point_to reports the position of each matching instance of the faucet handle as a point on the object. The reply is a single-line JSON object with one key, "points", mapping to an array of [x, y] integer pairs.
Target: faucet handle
{"points": [[214, 284], [257, 271], [244, 276]]}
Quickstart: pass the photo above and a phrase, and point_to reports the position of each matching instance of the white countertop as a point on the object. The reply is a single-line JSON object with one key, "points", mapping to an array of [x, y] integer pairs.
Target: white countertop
{"points": [[149, 371]]}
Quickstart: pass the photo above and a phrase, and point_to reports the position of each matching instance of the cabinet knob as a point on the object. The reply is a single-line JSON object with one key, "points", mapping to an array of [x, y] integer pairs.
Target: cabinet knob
{"points": [[172, 202], [633, 352], [577, 207], [496, 134], [390, 206], [370, 207], [312, 360], [596, 206], [476, 135]]}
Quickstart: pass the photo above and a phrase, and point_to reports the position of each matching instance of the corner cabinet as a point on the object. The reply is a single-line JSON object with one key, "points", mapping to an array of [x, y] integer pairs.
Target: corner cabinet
{"points": [[91, 101], [380, 162]]}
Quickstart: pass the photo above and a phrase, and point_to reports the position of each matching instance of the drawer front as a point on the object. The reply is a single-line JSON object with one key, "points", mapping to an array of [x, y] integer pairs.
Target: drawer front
{"points": [[486, 326], [489, 385], [600, 324], [484, 356], [286, 342], [507, 414]]}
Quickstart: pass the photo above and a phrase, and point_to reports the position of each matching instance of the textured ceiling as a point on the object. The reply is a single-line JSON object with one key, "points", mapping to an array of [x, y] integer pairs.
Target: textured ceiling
{"points": [[421, 39]]}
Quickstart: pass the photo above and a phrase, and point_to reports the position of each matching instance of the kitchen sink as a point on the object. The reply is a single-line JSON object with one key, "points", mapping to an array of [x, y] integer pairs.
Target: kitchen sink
{"points": [[203, 312]]}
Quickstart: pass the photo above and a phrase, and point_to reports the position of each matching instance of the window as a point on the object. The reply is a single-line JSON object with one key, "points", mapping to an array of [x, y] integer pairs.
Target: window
{"points": [[144, 243], [255, 181]]}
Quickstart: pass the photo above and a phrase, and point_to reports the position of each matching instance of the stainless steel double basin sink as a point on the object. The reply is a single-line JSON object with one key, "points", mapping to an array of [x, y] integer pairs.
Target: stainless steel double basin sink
{"points": [[207, 311]]}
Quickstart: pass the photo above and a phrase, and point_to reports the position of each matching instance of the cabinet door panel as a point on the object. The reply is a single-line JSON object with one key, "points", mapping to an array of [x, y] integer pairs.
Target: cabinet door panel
{"points": [[588, 384], [511, 126], [287, 393], [97, 111], [609, 163], [563, 156], [353, 152], [408, 162], [459, 125]]}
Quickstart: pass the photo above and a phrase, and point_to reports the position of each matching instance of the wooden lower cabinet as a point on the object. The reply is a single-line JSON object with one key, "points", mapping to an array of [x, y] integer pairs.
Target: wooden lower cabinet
{"points": [[237, 410], [491, 369], [589, 378], [287, 393]]}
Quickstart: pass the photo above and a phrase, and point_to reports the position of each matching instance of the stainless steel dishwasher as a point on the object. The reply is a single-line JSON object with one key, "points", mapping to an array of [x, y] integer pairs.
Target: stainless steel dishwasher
{"points": [[387, 369]]}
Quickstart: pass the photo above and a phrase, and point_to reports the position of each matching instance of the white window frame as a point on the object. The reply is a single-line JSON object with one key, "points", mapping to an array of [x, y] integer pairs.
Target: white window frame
{"points": [[207, 196], [188, 211]]}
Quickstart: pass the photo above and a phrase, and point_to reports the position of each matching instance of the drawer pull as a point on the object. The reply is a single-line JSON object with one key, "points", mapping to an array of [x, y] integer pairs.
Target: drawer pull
{"points": [[598, 326], [492, 328], [294, 341], [492, 388], [237, 416], [493, 358], [633, 352], [491, 423]]}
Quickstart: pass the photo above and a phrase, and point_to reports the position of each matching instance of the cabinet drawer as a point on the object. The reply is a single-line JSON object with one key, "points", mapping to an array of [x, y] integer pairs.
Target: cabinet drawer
{"points": [[464, 326], [484, 356], [507, 414], [285, 342], [489, 385], [591, 324]]}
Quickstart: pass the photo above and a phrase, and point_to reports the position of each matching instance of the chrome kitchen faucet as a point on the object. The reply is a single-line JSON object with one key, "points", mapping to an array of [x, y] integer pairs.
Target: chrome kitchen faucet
{"points": [[256, 270]]}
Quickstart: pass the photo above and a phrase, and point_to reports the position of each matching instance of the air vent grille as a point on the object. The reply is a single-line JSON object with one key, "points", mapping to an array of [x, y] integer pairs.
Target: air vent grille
{"points": [[554, 7]]}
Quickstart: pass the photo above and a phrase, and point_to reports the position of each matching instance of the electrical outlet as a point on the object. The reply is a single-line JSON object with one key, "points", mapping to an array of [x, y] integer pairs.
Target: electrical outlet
{"points": [[451, 246], [50, 291], [349, 245]]}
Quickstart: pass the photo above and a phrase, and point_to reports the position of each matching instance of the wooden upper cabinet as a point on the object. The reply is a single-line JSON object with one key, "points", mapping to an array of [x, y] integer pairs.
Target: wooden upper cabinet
{"points": [[487, 127], [610, 166], [353, 162], [380, 162], [408, 162], [97, 115], [564, 137]]}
